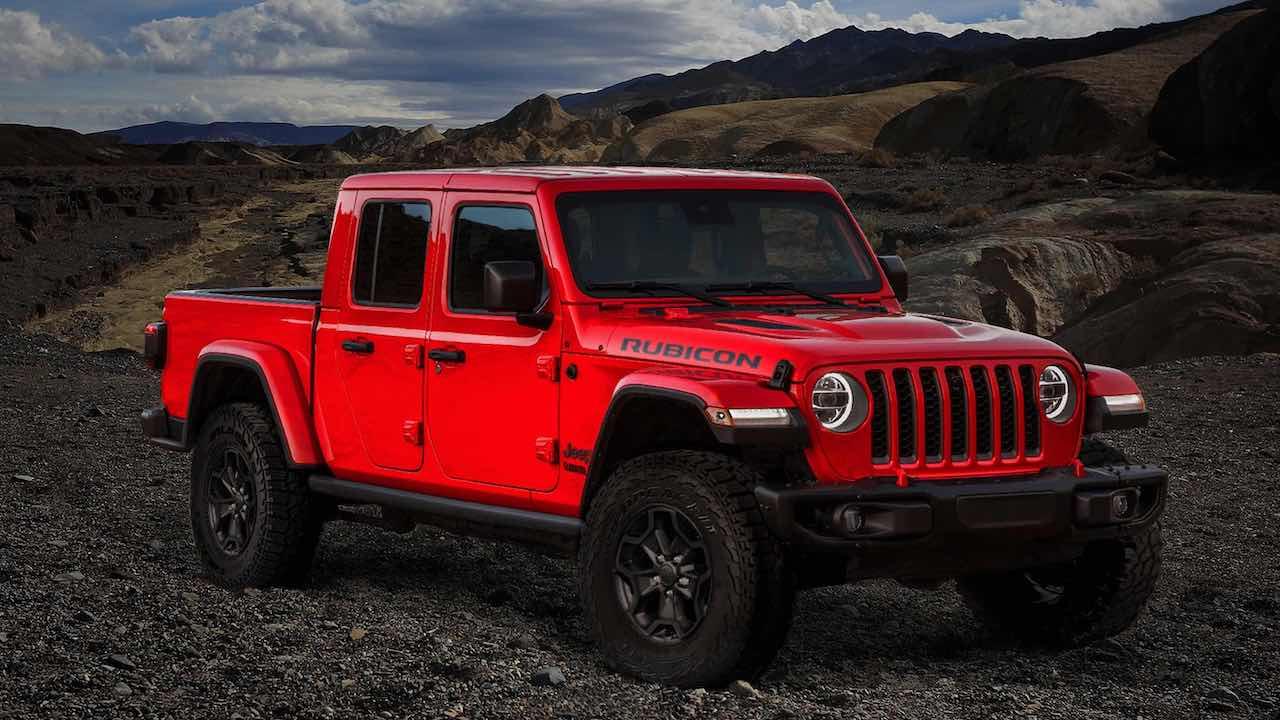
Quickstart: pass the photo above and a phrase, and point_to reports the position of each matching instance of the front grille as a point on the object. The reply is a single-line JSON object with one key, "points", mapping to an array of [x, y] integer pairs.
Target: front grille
{"points": [[879, 419], [925, 415], [906, 397]]}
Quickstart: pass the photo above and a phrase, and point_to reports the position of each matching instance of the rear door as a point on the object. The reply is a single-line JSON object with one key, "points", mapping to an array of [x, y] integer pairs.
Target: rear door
{"points": [[493, 410], [378, 341]]}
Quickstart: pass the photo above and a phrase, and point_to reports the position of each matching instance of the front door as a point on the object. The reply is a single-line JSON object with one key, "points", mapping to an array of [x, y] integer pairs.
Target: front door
{"points": [[378, 342], [492, 410]]}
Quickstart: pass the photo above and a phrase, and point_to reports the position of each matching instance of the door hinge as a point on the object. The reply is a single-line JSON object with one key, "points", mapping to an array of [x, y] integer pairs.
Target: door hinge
{"points": [[413, 355], [547, 450], [413, 432], [549, 367]]}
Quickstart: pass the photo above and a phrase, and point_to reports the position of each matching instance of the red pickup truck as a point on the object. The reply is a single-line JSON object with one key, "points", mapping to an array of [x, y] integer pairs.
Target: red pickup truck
{"points": [[700, 384]]}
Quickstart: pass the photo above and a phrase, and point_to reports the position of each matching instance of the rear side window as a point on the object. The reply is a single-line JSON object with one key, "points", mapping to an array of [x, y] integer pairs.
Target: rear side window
{"points": [[486, 234], [391, 253]]}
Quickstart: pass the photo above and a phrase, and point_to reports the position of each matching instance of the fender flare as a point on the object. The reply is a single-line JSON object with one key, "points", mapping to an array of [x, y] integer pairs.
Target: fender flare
{"points": [[286, 397], [698, 390], [1100, 382]]}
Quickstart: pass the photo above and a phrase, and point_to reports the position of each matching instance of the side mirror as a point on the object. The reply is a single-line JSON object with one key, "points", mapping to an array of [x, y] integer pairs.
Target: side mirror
{"points": [[510, 286], [896, 271]]}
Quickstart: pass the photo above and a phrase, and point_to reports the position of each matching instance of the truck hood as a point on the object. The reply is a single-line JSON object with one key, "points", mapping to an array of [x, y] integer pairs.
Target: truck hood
{"points": [[746, 340]]}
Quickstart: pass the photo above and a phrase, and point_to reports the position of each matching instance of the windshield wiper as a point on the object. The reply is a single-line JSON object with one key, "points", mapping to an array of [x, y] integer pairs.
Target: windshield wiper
{"points": [[651, 286], [767, 285]]}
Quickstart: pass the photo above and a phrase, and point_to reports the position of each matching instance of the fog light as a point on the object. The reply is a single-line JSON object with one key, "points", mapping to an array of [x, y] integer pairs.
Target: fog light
{"points": [[852, 520], [1122, 505]]}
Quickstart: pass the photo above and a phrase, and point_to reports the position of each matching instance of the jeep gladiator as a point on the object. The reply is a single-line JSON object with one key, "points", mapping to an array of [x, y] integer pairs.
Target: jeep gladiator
{"points": [[700, 384]]}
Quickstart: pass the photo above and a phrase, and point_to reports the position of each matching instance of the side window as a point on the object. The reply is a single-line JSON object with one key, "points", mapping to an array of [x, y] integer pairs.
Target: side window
{"points": [[391, 253], [484, 234]]}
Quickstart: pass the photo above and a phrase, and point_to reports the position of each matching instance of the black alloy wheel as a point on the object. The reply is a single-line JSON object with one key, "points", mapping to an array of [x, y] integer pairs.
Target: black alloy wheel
{"points": [[663, 575], [232, 501]]}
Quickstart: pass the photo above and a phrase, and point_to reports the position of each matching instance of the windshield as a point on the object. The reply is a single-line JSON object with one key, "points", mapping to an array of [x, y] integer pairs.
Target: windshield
{"points": [[720, 241]]}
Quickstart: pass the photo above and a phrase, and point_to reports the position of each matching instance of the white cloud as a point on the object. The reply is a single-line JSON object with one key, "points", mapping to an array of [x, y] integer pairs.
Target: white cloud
{"points": [[33, 49], [789, 21], [1036, 18]]}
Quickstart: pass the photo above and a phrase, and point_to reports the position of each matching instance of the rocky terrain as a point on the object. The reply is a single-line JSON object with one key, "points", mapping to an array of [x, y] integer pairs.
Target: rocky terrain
{"points": [[374, 144], [537, 130], [792, 126], [1079, 107], [66, 233], [104, 613]]}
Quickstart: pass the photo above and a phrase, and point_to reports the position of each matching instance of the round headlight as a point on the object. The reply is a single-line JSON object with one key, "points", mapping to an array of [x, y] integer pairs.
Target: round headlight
{"points": [[839, 402], [1057, 396]]}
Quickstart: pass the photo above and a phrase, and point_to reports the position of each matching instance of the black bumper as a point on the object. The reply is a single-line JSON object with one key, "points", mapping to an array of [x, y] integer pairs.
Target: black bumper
{"points": [[162, 429], [968, 517]]}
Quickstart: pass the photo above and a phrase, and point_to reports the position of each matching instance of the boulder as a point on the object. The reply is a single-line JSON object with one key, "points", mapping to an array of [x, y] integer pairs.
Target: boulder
{"points": [[1031, 284], [1220, 297]]}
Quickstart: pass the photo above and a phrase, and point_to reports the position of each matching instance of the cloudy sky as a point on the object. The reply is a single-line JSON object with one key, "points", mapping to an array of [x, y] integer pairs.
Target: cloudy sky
{"points": [[109, 63]]}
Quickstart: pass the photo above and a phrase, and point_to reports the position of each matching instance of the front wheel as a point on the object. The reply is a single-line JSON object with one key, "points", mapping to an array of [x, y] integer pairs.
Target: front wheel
{"points": [[680, 580], [1097, 595], [255, 521]]}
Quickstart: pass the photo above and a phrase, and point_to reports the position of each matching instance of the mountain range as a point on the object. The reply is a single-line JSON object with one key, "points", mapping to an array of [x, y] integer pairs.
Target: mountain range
{"points": [[252, 133], [851, 60]]}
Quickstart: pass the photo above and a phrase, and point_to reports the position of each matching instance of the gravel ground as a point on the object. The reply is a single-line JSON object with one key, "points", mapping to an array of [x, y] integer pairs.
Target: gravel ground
{"points": [[104, 613]]}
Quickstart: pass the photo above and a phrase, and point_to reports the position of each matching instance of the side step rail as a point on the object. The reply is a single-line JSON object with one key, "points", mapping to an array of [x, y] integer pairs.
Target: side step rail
{"points": [[555, 533]]}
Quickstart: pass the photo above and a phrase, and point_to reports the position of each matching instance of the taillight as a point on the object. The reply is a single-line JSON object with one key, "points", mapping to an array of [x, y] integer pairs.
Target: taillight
{"points": [[153, 344]]}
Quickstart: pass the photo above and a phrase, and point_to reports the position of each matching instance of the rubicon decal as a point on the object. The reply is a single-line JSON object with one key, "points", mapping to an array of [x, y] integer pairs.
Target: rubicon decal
{"points": [[697, 353]]}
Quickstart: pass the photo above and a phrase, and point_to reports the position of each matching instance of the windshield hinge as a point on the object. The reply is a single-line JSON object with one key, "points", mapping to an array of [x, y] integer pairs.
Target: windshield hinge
{"points": [[781, 379]]}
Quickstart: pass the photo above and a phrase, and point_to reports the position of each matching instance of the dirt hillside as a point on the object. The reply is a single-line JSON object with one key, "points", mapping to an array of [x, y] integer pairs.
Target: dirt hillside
{"points": [[1223, 108], [839, 124], [1079, 107]]}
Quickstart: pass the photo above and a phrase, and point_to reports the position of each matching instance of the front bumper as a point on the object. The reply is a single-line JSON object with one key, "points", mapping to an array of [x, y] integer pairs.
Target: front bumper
{"points": [[934, 527]]}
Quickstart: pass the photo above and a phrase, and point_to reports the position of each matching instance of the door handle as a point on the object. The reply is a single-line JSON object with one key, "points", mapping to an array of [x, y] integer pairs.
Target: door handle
{"points": [[451, 356], [362, 347]]}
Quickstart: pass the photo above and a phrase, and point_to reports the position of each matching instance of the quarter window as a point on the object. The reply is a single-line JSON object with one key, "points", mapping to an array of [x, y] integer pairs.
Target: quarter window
{"points": [[391, 253], [485, 234]]}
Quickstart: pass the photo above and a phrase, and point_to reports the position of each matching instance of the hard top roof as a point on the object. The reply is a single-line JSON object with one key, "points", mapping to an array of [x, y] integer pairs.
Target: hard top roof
{"points": [[527, 178]]}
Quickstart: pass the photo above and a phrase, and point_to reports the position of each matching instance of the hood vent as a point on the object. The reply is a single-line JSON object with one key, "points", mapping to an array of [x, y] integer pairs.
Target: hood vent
{"points": [[758, 324]]}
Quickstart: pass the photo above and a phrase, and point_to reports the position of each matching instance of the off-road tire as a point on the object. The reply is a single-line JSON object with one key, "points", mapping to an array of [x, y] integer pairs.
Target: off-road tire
{"points": [[1096, 453], [289, 519], [752, 593], [1102, 592]]}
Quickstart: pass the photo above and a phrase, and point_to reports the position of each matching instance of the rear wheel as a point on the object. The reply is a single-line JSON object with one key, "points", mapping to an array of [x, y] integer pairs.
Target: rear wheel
{"points": [[680, 579], [1095, 596], [255, 521]]}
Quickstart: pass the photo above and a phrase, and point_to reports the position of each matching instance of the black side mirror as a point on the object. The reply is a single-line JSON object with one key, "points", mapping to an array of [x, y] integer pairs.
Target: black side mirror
{"points": [[510, 286], [896, 271], [514, 286]]}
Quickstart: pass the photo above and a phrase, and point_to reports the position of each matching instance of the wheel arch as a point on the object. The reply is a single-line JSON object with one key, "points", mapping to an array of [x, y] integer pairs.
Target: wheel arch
{"points": [[680, 401], [254, 372]]}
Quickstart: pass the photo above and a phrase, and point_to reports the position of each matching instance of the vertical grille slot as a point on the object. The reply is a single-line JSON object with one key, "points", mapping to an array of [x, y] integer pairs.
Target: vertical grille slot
{"points": [[1030, 410], [906, 393], [1008, 412], [982, 406], [932, 415], [879, 418], [959, 414]]}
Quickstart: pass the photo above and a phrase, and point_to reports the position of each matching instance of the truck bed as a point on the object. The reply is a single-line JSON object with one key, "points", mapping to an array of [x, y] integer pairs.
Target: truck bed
{"points": [[299, 294], [269, 319]]}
